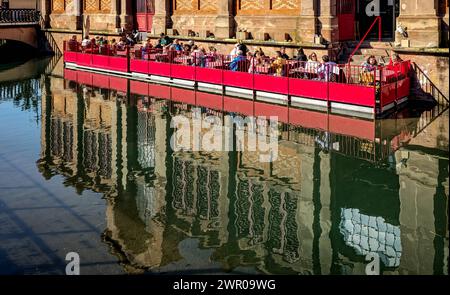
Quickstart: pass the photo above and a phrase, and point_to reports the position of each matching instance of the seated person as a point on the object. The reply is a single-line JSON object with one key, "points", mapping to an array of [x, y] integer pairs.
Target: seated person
{"points": [[130, 39], [198, 55], [186, 49], [301, 56], [312, 65], [86, 42], [326, 69], [283, 53], [147, 46], [163, 41], [278, 64], [255, 60], [73, 43], [370, 64], [237, 60], [176, 46]]}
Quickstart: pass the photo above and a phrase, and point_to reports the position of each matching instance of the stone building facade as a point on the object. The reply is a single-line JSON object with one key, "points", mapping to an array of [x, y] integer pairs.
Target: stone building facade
{"points": [[296, 21]]}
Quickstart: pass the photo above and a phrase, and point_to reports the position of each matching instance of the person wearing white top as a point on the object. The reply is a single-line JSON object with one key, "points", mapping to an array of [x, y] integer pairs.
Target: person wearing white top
{"points": [[86, 41]]}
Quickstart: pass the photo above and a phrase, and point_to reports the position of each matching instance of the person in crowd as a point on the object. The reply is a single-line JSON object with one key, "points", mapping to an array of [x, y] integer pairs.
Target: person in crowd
{"points": [[237, 60], [122, 44], [147, 47], [113, 45], [278, 64], [176, 46], [234, 51], [73, 43], [370, 64], [326, 69], [212, 51], [86, 42], [186, 49], [255, 61], [312, 65], [283, 53], [301, 56], [198, 55], [163, 41], [242, 47], [261, 52], [130, 39]]}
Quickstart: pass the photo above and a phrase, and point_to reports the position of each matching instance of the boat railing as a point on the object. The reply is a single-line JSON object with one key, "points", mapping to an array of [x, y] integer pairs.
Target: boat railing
{"points": [[379, 88], [309, 70]]}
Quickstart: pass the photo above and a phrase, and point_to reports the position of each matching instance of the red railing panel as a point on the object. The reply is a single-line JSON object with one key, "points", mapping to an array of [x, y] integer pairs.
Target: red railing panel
{"points": [[183, 72], [84, 59], [209, 75], [139, 66], [70, 56], [271, 84], [352, 94], [403, 88], [238, 79], [119, 64], [100, 61], [308, 89], [388, 94], [159, 68]]}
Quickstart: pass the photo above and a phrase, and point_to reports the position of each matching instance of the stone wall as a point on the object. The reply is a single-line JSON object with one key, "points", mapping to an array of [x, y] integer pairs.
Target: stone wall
{"points": [[436, 67]]}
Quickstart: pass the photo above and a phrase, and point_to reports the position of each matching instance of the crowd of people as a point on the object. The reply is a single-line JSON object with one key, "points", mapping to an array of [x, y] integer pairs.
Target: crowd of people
{"points": [[240, 58]]}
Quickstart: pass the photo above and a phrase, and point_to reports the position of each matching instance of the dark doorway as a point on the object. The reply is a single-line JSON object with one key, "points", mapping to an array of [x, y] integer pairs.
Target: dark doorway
{"points": [[388, 10]]}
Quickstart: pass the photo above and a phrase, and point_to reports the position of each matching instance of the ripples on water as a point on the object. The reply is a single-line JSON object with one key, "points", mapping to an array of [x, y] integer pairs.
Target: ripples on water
{"points": [[90, 170]]}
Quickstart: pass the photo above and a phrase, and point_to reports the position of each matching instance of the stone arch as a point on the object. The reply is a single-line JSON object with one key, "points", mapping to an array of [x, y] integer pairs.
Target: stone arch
{"points": [[25, 35]]}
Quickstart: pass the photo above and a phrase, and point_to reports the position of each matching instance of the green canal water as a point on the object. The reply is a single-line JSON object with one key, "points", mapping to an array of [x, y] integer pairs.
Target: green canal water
{"points": [[91, 171]]}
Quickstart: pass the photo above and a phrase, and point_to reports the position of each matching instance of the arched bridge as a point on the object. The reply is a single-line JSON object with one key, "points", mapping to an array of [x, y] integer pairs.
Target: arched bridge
{"points": [[20, 25]]}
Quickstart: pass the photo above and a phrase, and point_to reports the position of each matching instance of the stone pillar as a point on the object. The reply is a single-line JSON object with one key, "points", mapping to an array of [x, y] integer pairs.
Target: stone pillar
{"points": [[161, 19], [328, 22], [224, 21], [307, 21], [422, 23], [78, 10], [115, 10], [45, 12], [126, 15]]}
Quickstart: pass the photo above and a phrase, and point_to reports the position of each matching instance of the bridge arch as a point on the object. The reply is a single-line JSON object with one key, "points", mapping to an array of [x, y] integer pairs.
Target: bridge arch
{"points": [[27, 35]]}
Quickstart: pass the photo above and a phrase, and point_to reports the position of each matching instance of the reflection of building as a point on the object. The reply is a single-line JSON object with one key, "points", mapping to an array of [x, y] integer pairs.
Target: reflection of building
{"points": [[280, 217]]}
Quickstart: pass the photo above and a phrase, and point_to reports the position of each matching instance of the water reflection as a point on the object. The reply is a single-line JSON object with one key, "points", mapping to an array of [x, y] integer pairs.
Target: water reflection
{"points": [[340, 189]]}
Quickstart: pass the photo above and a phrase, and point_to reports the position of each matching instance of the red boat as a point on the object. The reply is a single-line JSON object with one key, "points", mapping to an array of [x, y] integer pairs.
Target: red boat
{"points": [[344, 89]]}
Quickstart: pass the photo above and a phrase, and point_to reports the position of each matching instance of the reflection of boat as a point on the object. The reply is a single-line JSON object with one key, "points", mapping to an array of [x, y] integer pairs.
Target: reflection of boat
{"points": [[369, 139]]}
